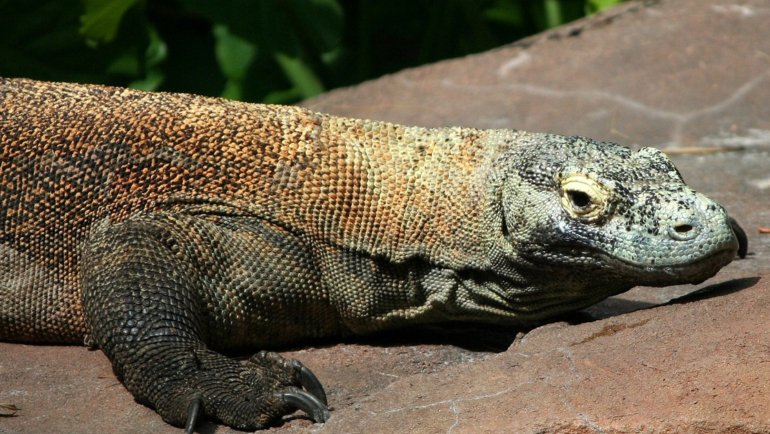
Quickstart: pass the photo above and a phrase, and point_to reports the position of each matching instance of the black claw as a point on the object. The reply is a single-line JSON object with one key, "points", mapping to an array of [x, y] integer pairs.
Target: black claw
{"points": [[193, 411], [310, 382], [306, 402], [743, 241]]}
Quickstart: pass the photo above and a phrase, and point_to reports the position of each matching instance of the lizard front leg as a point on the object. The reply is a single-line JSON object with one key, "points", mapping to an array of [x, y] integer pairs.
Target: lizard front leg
{"points": [[150, 296]]}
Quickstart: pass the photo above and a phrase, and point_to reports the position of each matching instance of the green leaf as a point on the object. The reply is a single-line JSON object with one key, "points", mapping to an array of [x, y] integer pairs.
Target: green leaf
{"points": [[593, 6], [300, 75], [101, 19], [124, 64], [150, 82], [234, 54], [553, 13], [505, 12], [157, 50], [282, 96], [154, 55]]}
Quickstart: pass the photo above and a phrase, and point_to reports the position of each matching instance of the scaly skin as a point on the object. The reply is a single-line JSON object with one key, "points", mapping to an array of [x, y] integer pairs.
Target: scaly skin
{"points": [[166, 228]]}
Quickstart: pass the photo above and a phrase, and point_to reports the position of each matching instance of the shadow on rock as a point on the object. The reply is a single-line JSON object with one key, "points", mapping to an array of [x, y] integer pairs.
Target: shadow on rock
{"points": [[468, 336], [717, 290], [608, 308]]}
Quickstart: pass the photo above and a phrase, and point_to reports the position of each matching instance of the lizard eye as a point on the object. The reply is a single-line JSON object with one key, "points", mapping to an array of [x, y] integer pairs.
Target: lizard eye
{"points": [[578, 199], [583, 198]]}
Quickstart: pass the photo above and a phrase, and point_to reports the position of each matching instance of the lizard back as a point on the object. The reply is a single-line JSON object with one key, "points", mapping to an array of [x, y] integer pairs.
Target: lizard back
{"points": [[72, 155]]}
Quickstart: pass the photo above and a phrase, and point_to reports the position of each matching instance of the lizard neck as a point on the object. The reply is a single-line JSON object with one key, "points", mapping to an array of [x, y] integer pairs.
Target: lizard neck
{"points": [[376, 188], [404, 192]]}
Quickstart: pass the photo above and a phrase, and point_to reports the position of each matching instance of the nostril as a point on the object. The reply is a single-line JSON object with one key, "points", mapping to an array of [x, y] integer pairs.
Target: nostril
{"points": [[683, 231]]}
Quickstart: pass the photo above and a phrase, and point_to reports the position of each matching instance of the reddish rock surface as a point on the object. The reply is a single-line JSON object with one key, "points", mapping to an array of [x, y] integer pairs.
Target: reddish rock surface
{"points": [[700, 366], [688, 76]]}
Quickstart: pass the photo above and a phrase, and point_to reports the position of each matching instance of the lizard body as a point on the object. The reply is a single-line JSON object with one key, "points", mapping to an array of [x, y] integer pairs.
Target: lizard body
{"points": [[167, 227]]}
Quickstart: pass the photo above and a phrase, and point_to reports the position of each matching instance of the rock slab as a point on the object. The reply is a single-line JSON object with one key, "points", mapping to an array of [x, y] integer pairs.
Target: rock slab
{"points": [[689, 76], [690, 367]]}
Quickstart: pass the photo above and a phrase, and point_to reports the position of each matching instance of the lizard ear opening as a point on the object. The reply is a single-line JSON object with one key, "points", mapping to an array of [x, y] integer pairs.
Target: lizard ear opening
{"points": [[505, 230], [584, 198]]}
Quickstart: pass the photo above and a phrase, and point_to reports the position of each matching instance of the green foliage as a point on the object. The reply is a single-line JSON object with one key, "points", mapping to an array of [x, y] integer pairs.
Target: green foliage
{"points": [[277, 51], [234, 56], [593, 6], [101, 18]]}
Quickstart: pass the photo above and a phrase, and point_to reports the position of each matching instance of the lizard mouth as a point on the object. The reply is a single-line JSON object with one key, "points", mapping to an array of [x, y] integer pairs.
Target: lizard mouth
{"points": [[667, 273], [608, 267]]}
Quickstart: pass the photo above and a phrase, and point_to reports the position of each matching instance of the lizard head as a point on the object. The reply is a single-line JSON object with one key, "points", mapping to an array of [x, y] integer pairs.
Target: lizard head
{"points": [[592, 218]]}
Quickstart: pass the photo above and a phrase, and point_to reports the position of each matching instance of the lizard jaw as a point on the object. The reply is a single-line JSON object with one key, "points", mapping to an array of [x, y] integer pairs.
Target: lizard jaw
{"points": [[674, 274]]}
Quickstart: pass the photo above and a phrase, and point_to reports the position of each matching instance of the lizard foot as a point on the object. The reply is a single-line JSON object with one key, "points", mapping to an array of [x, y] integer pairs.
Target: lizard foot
{"points": [[148, 306], [261, 390]]}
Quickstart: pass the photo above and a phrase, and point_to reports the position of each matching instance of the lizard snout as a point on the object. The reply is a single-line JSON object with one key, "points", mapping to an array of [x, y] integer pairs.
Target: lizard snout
{"points": [[684, 215], [684, 229], [696, 221]]}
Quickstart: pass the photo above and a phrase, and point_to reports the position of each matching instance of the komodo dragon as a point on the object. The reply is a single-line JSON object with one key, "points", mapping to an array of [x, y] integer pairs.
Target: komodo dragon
{"points": [[167, 228]]}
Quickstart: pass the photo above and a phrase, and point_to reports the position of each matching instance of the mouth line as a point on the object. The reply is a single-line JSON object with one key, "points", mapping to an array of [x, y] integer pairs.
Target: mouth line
{"points": [[604, 257], [673, 267]]}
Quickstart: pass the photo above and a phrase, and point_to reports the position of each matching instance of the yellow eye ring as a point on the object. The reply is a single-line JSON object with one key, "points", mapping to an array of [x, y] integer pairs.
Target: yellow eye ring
{"points": [[584, 198]]}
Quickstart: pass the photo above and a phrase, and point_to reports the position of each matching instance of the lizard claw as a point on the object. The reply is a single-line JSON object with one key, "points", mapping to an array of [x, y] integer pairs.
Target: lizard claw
{"points": [[743, 241], [193, 412], [306, 402], [310, 382], [303, 376]]}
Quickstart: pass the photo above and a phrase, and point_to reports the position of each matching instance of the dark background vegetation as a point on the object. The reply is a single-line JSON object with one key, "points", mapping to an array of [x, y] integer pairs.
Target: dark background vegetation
{"points": [[278, 51]]}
